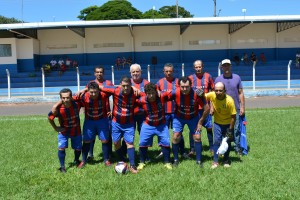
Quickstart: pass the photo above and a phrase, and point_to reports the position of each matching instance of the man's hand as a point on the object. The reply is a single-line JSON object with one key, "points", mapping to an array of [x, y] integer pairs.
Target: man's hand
{"points": [[211, 110], [59, 129], [229, 134], [136, 91], [199, 92]]}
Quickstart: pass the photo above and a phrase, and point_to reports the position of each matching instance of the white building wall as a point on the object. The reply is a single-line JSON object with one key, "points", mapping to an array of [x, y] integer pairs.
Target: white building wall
{"points": [[13, 58], [24, 48], [36, 46], [289, 38], [156, 38]]}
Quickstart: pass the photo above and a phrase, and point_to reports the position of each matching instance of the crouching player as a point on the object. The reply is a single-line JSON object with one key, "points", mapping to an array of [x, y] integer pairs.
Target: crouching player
{"points": [[154, 124], [68, 117]]}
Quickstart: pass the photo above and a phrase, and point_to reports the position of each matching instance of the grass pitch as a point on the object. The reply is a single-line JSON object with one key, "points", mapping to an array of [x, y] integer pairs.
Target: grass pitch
{"points": [[29, 166]]}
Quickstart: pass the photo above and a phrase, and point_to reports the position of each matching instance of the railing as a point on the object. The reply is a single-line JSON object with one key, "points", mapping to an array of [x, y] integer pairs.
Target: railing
{"points": [[150, 75]]}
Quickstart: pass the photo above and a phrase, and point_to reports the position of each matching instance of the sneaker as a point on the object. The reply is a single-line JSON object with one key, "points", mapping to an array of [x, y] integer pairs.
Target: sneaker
{"points": [[186, 156], [81, 165], [76, 162], [133, 169], [226, 165], [62, 169], [214, 165], [90, 158], [141, 166], [107, 163], [199, 163], [159, 156], [168, 166], [175, 163]]}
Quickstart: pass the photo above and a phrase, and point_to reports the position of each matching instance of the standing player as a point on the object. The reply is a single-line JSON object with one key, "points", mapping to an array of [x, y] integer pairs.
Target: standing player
{"points": [[234, 88], [68, 117], [99, 75], [154, 124], [203, 80], [167, 84], [124, 101], [186, 113], [224, 118]]}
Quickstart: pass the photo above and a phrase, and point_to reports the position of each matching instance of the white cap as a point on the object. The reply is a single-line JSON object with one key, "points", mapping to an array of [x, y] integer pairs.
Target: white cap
{"points": [[226, 61]]}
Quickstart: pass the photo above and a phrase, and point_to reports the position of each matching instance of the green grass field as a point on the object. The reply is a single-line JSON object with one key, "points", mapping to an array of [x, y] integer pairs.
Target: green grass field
{"points": [[29, 166]]}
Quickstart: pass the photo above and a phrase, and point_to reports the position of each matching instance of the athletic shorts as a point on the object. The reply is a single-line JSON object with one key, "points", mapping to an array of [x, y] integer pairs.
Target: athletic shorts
{"points": [[178, 124], [148, 132], [169, 119], [76, 141], [122, 130], [207, 123], [219, 132], [100, 127]]}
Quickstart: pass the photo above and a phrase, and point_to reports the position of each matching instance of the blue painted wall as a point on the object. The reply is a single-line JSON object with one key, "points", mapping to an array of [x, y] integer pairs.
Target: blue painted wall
{"points": [[25, 65], [11, 67]]}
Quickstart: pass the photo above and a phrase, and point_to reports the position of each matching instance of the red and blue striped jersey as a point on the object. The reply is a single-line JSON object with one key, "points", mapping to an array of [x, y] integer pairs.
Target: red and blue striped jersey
{"points": [[94, 109], [164, 85], [204, 82], [123, 104], [186, 106], [68, 118], [154, 111], [141, 85]]}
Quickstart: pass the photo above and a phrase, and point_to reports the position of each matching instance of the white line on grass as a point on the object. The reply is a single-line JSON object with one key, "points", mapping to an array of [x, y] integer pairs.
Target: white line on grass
{"points": [[23, 119]]}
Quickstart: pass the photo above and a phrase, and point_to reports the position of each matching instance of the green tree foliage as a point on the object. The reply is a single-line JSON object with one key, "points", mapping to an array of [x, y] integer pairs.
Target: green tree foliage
{"points": [[170, 12], [151, 14], [5, 20], [112, 10], [85, 12]]}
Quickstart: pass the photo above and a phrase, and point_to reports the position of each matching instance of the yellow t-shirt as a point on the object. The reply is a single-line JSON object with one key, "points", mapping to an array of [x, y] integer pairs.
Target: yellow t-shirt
{"points": [[224, 109]]}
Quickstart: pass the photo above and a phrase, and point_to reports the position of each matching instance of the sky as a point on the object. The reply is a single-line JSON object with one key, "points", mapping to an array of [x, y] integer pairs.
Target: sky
{"points": [[68, 10]]}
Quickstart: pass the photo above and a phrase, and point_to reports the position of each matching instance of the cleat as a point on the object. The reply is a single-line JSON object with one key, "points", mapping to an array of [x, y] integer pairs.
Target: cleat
{"points": [[81, 165], [199, 163], [76, 162], [186, 156], [214, 165], [168, 166], [175, 163], [133, 169], [226, 164], [62, 169], [107, 163], [141, 166], [90, 158], [159, 156]]}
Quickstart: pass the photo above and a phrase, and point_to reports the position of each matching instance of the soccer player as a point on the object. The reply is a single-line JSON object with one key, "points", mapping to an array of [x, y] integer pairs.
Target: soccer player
{"points": [[154, 124], [99, 75], [68, 117], [203, 80], [234, 88], [167, 84], [224, 112], [124, 100], [187, 103]]}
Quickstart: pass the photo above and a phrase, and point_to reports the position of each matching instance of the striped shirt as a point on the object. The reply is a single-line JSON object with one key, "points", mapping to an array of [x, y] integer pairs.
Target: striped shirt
{"points": [[164, 85]]}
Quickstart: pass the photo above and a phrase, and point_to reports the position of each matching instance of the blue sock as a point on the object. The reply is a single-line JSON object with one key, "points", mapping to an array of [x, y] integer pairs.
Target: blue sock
{"points": [[166, 152], [85, 150], [61, 157], [175, 150], [124, 148], [210, 138], [120, 154], [91, 150], [191, 141], [143, 154], [130, 153], [105, 150], [216, 146], [77, 155], [110, 146], [198, 149]]}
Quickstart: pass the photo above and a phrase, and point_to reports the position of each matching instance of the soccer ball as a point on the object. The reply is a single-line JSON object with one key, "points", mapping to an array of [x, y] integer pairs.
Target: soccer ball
{"points": [[121, 168]]}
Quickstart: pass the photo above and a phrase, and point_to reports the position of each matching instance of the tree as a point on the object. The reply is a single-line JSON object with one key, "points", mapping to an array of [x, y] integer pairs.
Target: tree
{"points": [[112, 10], [170, 12], [153, 14], [5, 20]]}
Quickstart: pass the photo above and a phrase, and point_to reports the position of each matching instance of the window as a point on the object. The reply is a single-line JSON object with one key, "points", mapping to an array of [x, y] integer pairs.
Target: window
{"points": [[5, 50]]}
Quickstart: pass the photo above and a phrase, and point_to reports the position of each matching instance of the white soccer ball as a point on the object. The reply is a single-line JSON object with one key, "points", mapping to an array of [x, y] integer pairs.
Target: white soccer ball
{"points": [[121, 168]]}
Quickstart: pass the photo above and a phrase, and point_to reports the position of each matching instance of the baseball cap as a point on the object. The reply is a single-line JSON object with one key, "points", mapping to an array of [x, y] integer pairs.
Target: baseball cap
{"points": [[226, 61]]}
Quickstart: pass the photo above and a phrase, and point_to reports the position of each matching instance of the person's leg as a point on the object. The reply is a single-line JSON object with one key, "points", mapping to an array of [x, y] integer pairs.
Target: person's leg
{"points": [[237, 133]]}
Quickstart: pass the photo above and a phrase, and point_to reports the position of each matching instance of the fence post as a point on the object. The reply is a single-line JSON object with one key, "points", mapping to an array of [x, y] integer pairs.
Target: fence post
{"points": [[43, 81], [219, 69], [113, 74], [148, 72], [289, 74], [254, 63], [78, 79], [182, 69], [8, 83]]}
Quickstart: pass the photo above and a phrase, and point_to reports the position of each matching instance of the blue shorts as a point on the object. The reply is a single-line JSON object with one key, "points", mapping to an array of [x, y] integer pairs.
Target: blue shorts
{"points": [[207, 123], [169, 119], [76, 141], [122, 130], [178, 124], [147, 133], [219, 132], [91, 128]]}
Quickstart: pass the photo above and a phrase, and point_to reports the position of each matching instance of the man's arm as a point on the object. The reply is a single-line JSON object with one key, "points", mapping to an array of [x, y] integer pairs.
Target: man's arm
{"points": [[242, 101], [52, 123], [203, 117], [81, 92]]}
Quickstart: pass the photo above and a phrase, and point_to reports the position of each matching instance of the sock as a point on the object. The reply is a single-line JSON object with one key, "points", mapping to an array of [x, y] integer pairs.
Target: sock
{"points": [[198, 149], [143, 154], [175, 150], [77, 155], [192, 141], [130, 153], [109, 144], [85, 150], [120, 154], [166, 152], [181, 145], [216, 146], [124, 148], [61, 157], [210, 138], [91, 151], [105, 150]]}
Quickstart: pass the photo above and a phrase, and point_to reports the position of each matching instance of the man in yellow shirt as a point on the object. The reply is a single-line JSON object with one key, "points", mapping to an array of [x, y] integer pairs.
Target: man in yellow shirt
{"points": [[223, 110]]}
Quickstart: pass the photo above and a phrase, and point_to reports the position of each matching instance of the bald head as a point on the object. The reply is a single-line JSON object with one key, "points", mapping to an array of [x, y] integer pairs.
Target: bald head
{"points": [[219, 86]]}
